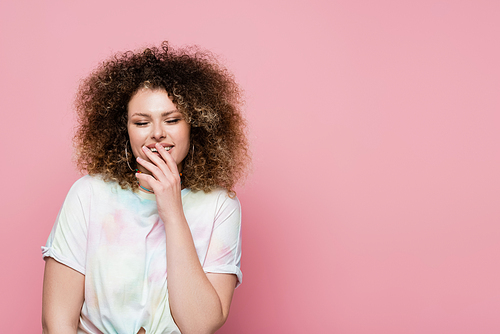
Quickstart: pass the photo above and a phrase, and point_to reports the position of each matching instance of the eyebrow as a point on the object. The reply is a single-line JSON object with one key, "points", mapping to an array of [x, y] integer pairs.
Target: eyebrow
{"points": [[163, 114]]}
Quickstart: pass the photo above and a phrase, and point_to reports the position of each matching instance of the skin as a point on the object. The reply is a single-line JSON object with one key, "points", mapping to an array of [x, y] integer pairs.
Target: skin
{"points": [[154, 118], [199, 302], [62, 299]]}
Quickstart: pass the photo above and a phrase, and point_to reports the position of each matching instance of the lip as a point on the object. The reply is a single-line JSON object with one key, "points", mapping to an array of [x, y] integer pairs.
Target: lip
{"points": [[150, 146]]}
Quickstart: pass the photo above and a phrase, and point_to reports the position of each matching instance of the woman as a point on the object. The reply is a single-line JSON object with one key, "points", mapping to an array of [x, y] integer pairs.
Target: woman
{"points": [[163, 142]]}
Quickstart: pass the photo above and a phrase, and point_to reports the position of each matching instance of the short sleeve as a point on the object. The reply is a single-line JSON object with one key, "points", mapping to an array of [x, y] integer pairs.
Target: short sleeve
{"points": [[67, 242], [224, 250]]}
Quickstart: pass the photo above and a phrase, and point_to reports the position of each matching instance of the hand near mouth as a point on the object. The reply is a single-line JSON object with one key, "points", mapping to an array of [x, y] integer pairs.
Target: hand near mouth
{"points": [[164, 180], [155, 150]]}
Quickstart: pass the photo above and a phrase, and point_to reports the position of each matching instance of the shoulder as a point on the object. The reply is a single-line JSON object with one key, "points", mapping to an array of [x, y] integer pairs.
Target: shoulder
{"points": [[91, 183], [218, 198], [216, 206], [93, 189]]}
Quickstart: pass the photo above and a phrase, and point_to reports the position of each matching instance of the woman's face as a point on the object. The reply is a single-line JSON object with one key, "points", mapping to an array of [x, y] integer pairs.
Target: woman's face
{"points": [[154, 118]]}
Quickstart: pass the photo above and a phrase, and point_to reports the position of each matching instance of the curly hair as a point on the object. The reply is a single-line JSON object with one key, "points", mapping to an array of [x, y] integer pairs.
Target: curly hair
{"points": [[203, 91]]}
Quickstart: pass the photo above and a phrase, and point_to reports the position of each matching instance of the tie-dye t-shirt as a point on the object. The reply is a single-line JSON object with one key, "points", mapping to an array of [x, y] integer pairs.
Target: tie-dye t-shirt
{"points": [[117, 240]]}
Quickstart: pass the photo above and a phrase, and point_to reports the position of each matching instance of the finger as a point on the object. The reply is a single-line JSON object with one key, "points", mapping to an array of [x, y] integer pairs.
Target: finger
{"points": [[169, 160], [157, 162], [158, 181], [156, 172], [149, 182], [154, 158]]}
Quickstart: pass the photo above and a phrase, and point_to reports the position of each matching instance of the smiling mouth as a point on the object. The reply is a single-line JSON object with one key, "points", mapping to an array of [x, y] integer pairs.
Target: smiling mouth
{"points": [[167, 148]]}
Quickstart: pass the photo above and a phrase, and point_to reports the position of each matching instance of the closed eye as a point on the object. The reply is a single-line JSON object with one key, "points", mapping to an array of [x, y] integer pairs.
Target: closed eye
{"points": [[141, 123], [173, 121]]}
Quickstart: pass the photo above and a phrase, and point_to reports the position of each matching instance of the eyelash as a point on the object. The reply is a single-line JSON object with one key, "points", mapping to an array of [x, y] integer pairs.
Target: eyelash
{"points": [[170, 121]]}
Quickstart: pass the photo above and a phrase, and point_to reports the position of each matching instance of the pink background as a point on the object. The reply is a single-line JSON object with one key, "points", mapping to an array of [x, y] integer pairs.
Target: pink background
{"points": [[373, 206]]}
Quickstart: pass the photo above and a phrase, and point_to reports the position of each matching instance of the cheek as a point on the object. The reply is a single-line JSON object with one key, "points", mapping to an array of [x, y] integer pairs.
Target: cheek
{"points": [[187, 135], [185, 143], [135, 152], [187, 140], [134, 140]]}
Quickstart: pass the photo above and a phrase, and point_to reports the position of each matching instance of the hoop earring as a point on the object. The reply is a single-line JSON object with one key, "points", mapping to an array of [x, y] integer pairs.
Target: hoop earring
{"points": [[126, 157]]}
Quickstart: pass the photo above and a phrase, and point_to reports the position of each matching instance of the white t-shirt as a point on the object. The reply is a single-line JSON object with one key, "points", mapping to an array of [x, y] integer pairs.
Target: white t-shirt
{"points": [[117, 240]]}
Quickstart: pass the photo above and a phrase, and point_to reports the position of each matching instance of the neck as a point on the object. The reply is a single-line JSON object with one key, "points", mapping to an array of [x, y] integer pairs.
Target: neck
{"points": [[149, 191]]}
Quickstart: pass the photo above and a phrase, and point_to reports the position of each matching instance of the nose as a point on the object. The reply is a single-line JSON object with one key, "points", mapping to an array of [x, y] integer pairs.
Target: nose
{"points": [[158, 132]]}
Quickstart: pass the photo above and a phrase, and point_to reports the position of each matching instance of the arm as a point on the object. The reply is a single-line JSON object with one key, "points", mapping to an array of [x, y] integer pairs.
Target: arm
{"points": [[63, 295], [199, 302]]}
